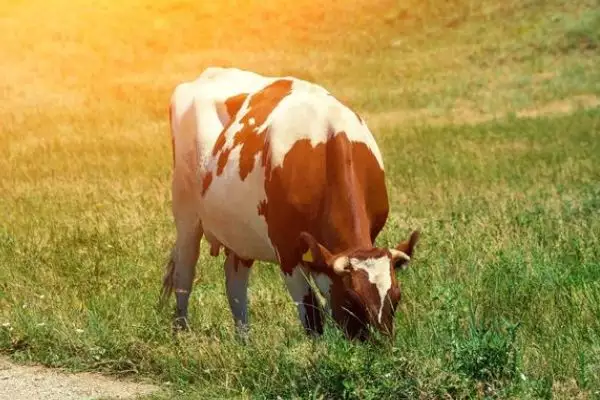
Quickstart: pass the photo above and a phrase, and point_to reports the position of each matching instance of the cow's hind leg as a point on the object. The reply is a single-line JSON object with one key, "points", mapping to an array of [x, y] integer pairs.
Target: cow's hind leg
{"points": [[309, 309], [181, 268], [237, 273]]}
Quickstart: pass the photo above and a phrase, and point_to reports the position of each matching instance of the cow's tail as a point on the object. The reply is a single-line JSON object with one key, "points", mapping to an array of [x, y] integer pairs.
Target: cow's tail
{"points": [[167, 283], [172, 132]]}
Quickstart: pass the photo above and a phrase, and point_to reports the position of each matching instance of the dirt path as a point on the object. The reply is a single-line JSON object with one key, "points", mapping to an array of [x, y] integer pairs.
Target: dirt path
{"points": [[19, 382]]}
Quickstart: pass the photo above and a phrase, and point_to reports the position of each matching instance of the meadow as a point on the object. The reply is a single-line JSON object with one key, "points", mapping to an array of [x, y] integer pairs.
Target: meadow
{"points": [[488, 117]]}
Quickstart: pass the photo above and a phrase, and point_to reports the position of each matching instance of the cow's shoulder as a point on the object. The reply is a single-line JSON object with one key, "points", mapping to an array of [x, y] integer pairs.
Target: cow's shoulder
{"points": [[311, 113]]}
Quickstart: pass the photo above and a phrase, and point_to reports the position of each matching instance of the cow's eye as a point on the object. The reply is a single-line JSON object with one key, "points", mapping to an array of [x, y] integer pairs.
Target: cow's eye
{"points": [[398, 263]]}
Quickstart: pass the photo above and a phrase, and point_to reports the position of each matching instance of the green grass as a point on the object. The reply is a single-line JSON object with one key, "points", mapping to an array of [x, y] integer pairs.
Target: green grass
{"points": [[488, 119]]}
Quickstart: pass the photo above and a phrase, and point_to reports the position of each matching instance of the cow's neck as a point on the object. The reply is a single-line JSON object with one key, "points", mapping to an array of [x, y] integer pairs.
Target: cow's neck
{"points": [[346, 224], [345, 229]]}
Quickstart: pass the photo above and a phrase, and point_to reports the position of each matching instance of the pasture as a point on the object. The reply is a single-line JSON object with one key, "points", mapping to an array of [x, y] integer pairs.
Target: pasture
{"points": [[488, 117]]}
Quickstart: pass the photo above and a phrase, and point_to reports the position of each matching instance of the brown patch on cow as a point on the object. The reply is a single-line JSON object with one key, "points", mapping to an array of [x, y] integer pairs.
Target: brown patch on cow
{"points": [[252, 142], [369, 294], [294, 201], [408, 246], [363, 254], [335, 191], [220, 143], [262, 208], [348, 308], [206, 182], [222, 161], [234, 103], [260, 105]]}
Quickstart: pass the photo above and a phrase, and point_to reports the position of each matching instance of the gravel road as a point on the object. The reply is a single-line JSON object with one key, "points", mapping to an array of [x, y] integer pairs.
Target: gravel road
{"points": [[18, 382]]}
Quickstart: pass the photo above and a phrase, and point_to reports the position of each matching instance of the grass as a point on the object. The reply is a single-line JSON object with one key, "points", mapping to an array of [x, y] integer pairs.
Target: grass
{"points": [[487, 115]]}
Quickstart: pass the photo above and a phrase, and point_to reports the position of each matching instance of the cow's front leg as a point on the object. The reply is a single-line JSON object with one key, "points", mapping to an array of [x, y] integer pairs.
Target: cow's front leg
{"points": [[309, 309], [237, 273]]}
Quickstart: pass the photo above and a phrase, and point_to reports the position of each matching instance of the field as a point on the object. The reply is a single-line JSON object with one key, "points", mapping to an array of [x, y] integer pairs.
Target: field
{"points": [[488, 116]]}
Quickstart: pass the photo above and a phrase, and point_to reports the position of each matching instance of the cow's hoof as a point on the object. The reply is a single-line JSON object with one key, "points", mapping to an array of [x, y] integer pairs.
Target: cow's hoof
{"points": [[180, 324], [242, 334]]}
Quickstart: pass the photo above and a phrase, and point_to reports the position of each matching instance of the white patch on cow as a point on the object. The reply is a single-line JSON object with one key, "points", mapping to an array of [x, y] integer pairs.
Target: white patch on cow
{"points": [[378, 271], [340, 265], [309, 112], [228, 211], [251, 121]]}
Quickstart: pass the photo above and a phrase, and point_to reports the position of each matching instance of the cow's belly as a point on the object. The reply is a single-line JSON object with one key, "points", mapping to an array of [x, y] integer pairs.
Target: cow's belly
{"points": [[230, 212]]}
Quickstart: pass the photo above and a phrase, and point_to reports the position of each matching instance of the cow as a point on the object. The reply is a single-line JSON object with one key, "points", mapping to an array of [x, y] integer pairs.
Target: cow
{"points": [[278, 170]]}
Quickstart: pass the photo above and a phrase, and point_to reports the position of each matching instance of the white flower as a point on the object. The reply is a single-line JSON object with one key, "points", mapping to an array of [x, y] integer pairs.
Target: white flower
{"points": [[523, 377]]}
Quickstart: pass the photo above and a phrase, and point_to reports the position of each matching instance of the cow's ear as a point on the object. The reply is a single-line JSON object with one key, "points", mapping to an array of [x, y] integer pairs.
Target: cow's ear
{"points": [[408, 246], [399, 259], [320, 259], [313, 252]]}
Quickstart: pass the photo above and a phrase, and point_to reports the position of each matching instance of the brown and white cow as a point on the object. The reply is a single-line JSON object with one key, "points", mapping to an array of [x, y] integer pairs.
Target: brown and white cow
{"points": [[277, 169]]}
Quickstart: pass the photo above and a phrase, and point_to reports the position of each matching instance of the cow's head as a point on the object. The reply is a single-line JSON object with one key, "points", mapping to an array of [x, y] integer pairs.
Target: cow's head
{"points": [[364, 290]]}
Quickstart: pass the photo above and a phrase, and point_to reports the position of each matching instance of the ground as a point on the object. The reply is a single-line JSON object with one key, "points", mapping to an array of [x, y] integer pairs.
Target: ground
{"points": [[489, 122], [35, 382]]}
